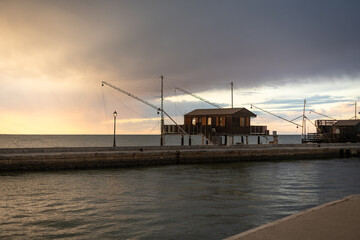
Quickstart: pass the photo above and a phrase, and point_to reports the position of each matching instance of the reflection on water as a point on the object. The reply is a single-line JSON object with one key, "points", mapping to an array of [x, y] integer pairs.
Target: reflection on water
{"points": [[171, 202]]}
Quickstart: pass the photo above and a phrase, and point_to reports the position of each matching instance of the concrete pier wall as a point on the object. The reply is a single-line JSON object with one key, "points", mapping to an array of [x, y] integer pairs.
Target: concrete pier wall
{"points": [[84, 158]]}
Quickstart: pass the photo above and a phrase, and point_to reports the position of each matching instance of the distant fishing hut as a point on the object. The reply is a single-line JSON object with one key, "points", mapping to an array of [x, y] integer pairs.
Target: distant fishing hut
{"points": [[336, 131], [213, 124]]}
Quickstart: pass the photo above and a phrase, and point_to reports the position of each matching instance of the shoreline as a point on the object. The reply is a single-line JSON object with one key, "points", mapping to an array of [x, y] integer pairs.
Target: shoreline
{"points": [[28, 159]]}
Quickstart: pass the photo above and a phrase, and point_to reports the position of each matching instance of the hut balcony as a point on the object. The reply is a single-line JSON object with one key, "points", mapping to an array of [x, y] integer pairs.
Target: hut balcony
{"points": [[259, 130]]}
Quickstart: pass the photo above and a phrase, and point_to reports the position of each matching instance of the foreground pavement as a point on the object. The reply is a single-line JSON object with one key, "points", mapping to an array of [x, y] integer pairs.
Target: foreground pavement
{"points": [[332, 221]]}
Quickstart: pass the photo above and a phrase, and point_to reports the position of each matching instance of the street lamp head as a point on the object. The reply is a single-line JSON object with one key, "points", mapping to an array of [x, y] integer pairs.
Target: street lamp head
{"points": [[115, 114]]}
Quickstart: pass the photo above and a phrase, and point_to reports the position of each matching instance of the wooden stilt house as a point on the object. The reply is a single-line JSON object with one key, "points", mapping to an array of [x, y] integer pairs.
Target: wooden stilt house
{"points": [[213, 123], [224, 121]]}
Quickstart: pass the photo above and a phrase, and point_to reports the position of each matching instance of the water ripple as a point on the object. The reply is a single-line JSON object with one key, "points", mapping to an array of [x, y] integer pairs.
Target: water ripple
{"points": [[170, 202]]}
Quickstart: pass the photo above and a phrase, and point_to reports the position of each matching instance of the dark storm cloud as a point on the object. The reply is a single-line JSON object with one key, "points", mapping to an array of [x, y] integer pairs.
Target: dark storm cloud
{"points": [[248, 42]]}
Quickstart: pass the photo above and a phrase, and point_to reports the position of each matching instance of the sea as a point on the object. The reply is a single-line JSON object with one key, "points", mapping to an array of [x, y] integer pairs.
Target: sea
{"points": [[198, 201], [47, 141]]}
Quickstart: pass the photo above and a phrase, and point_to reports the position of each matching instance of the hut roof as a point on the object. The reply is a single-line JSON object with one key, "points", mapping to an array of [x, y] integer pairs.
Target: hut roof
{"points": [[346, 123], [221, 111]]}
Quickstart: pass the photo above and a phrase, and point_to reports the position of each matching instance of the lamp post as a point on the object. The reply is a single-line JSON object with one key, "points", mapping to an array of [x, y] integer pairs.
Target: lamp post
{"points": [[115, 114]]}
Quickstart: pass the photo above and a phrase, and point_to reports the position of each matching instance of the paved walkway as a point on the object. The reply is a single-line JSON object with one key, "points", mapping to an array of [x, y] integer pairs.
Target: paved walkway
{"points": [[332, 221]]}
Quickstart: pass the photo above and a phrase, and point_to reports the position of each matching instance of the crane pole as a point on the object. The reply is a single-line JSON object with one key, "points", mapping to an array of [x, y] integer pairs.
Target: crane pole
{"points": [[304, 124], [355, 110], [200, 98], [162, 138], [232, 95], [145, 102], [276, 116]]}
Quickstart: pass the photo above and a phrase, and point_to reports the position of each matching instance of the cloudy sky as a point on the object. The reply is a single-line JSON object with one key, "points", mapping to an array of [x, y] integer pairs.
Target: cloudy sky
{"points": [[55, 54]]}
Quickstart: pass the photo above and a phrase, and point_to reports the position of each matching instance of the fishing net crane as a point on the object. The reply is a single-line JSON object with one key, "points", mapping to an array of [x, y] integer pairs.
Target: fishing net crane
{"points": [[290, 121], [159, 110], [198, 97]]}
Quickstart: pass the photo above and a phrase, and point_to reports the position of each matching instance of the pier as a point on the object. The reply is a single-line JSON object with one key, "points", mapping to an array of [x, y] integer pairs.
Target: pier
{"points": [[331, 221], [117, 157]]}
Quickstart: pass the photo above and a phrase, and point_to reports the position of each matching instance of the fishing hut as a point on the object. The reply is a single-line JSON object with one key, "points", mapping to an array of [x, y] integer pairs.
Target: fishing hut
{"points": [[336, 131], [215, 124]]}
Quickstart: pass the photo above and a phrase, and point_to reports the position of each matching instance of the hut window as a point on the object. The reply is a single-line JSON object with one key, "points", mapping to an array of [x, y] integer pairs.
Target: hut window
{"points": [[222, 121], [193, 121], [242, 122], [203, 121], [209, 121], [248, 122]]}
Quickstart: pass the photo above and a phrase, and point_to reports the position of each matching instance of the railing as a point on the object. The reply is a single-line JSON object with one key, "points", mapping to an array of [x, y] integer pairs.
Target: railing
{"points": [[174, 129], [206, 131], [319, 137], [320, 123], [259, 130]]}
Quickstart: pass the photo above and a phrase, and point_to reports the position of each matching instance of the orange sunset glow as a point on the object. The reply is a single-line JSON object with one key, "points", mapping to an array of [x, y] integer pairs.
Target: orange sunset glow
{"points": [[54, 55]]}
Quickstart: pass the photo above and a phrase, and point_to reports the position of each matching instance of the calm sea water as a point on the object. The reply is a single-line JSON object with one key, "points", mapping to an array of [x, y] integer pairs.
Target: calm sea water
{"points": [[210, 201], [30, 141]]}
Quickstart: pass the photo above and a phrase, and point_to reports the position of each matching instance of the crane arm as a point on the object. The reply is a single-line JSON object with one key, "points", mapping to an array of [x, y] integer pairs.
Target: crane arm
{"points": [[322, 114], [276, 116], [200, 98], [131, 95], [146, 102]]}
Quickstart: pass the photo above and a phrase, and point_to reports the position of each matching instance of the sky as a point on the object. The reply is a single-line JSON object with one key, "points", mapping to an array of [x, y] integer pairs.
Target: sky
{"points": [[55, 54]]}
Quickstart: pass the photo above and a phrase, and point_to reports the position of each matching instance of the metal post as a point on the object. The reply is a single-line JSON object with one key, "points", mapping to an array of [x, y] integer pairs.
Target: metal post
{"points": [[162, 140], [304, 124], [355, 111], [115, 114], [232, 95]]}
